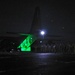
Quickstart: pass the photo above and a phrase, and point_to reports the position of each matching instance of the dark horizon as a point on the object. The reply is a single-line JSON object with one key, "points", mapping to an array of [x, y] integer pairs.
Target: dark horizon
{"points": [[57, 17]]}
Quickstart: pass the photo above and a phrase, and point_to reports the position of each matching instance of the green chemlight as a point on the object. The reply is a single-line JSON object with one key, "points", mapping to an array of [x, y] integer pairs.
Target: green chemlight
{"points": [[26, 44], [26, 49]]}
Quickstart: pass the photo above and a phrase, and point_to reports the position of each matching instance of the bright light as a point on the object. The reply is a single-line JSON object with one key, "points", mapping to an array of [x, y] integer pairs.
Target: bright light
{"points": [[42, 32]]}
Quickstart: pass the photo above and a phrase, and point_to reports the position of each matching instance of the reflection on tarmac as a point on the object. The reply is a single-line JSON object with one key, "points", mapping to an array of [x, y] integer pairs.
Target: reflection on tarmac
{"points": [[40, 63]]}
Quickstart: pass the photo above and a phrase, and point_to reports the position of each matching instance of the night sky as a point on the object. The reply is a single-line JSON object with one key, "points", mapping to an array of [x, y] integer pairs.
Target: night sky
{"points": [[58, 17]]}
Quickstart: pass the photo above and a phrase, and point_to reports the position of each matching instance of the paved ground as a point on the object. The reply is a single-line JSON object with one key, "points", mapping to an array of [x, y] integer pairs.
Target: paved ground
{"points": [[37, 64]]}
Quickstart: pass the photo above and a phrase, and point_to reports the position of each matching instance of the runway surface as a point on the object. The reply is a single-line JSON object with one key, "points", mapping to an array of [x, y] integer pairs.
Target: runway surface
{"points": [[37, 64]]}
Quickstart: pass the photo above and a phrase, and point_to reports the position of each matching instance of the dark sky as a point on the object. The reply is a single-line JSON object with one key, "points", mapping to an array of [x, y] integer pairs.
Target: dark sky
{"points": [[58, 17]]}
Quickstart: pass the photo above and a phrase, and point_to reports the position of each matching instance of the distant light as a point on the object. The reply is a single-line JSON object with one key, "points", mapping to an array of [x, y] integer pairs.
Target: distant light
{"points": [[42, 32], [13, 43], [31, 38], [52, 20], [63, 27], [12, 49], [40, 41]]}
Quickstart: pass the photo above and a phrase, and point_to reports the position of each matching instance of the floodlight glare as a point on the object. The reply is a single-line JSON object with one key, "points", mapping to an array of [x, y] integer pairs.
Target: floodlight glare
{"points": [[42, 32]]}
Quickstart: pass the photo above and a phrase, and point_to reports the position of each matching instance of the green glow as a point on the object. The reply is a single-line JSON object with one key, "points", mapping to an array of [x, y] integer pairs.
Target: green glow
{"points": [[26, 44], [26, 49]]}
